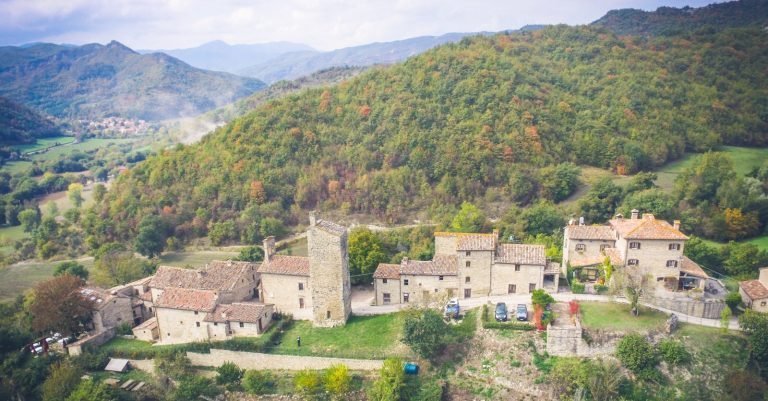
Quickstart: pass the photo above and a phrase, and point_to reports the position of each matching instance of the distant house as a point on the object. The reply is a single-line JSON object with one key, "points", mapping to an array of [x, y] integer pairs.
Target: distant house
{"points": [[466, 265], [643, 245], [754, 293]]}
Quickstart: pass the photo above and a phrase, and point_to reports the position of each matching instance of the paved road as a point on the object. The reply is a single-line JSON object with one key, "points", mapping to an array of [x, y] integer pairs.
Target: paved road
{"points": [[365, 308]]}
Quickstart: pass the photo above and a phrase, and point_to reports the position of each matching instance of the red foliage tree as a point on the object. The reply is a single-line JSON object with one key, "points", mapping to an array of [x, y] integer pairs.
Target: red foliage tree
{"points": [[59, 305], [573, 307]]}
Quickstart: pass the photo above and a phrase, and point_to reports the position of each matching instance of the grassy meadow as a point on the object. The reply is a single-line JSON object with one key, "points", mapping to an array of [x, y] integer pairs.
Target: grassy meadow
{"points": [[17, 278], [616, 317]]}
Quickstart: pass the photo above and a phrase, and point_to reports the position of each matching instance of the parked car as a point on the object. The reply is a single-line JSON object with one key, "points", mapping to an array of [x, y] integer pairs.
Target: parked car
{"points": [[522, 312], [452, 309], [501, 312]]}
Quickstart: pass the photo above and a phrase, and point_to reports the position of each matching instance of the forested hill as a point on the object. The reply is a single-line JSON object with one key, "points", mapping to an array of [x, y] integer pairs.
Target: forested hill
{"points": [[486, 114], [94, 81], [19, 124], [673, 21]]}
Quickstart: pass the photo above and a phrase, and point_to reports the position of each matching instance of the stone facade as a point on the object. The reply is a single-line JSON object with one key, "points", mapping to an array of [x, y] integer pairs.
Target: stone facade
{"points": [[181, 326], [329, 273], [422, 288], [387, 291], [507, 279], [475, 265], [289, 294]]}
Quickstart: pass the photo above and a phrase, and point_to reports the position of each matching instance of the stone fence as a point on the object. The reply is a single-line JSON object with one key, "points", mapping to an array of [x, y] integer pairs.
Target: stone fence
{"points": [[566, 339], [94, 340], [255, 360], [704, 308]]}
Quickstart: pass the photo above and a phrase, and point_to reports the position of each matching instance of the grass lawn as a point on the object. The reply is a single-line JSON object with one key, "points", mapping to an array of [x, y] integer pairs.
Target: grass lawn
{"points": [[194, 259], [87, 145], [43, 143], [362, 337], [616, 317], [16, 167], [712, 350], [744, 160], [13, 233], [16, 279]]}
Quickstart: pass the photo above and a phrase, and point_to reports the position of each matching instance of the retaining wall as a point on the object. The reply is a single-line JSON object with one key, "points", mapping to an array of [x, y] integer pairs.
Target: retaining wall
{"points": [[255, 360]]}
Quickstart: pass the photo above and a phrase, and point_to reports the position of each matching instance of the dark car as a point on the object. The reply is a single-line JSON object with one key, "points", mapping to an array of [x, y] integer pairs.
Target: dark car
{"points": [[501, 312], [452, 310], [522, 312]]}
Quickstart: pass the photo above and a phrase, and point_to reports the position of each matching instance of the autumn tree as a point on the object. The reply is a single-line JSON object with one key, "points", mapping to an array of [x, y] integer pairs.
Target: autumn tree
{"points": [[75, 194], [71, 267], [59, 306]]}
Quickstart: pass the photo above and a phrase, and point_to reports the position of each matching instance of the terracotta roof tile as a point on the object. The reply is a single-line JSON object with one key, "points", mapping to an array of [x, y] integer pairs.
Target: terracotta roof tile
{"points": [[386, 270], [248, 312], [289, 265], [614, 255], [584, 261], [647, 227], [471, 241], [692, 268], [604, 233], [150, 323], [187, 299], [439, 266], [754, 289], [521, 254], [216, 275]]}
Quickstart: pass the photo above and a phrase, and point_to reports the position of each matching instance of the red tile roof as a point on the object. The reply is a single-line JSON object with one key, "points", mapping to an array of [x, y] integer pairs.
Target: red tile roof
{"points": [[692, 268], [248, 312], [386, 270], [288, 265], [754, 289], [439, 266], [646, 227], [471, 241], [150, 323], [187, 299], [521, 254], [216, 275], [604, 233]]}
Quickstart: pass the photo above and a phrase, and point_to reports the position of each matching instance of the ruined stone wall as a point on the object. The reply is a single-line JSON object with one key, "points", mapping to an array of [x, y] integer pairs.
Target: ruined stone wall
{"points": [[116, 312], [93, 340], [329, 277], [568, 339]]}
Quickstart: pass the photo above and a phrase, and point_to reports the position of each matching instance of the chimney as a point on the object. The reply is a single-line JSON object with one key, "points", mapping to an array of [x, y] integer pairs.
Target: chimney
{"points": [[676, 224], [495, 237], [635, 214], [581, 220], [312, 218], [269, 248]]}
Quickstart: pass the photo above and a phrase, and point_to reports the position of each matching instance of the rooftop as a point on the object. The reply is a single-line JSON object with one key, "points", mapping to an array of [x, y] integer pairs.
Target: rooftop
{"points": [[248, 312], [604, 233], [646, 227], [523, 254], [441, 265], [331, 227], [216, 275], [692, 268], [289, 265], [386, 270], [471, 241], [187, 299], [754, 289]]}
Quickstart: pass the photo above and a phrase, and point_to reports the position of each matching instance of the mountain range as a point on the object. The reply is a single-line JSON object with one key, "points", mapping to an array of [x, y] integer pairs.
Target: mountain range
{"points": [[94, 81]]}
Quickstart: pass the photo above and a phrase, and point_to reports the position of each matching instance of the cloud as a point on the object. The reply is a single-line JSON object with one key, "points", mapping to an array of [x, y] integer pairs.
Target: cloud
{"points": [[325, 24]]}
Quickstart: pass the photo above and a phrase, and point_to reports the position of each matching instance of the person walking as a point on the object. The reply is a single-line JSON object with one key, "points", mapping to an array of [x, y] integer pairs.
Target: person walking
{"points": [[298, 341]]}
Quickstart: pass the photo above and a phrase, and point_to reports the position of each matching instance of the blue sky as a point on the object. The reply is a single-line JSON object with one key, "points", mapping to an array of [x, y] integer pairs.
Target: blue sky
{"points": [[323, 24]]}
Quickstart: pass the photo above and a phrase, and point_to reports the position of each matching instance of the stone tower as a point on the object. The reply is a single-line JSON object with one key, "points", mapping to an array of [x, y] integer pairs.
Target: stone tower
{"points": [[328, 272]]}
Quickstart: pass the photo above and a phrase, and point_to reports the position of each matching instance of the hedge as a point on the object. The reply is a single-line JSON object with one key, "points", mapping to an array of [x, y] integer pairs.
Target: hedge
{"points": [[493, 324]]}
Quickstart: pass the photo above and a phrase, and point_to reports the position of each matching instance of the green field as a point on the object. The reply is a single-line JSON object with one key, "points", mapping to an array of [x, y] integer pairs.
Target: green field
{"points": [[43, 143], [56, 152], [295, 248], [744, 161], [194, 259], [616, 317], [16, 279], [12, 233]]}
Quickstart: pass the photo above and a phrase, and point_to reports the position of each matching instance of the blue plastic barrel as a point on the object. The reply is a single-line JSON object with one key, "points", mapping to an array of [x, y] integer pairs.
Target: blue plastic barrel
{"points": [[411, 368]]}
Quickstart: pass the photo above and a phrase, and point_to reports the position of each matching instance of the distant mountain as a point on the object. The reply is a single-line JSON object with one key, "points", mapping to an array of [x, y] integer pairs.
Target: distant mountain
{"points": [[220, 56], [20, 124], [96, 80], [671, 21], [298, 64]]}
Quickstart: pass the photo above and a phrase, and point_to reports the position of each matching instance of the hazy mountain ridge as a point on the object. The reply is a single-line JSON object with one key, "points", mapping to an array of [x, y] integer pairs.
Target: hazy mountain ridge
{"points": [[94, 81]]}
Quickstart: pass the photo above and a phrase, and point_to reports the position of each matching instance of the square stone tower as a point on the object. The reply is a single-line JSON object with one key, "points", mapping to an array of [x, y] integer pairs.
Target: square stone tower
{"points": [[328, 272]]}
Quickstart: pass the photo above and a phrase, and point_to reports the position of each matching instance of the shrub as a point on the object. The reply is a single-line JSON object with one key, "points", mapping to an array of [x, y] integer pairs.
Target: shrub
{"points": [[337, 381], [733, 300], [569, 374], [601, 289], [124, 329], [673, 352], [192, 387], [258, 381], [636, 353], [228, 373], [573, 307], [541, 297], [308, 384], [425, 332], [91, 360], [577, 287]]}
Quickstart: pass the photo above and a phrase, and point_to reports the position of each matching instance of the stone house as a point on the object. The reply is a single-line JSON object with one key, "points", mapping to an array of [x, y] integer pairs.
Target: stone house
{"points": [[754, 293], [465, 265], [643, 245], [110, 308]]}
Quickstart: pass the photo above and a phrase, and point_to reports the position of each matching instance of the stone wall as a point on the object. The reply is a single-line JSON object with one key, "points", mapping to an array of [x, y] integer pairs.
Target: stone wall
{"points": [[93, 340], [479, 272], [504, 274], [329, 276], [115, 312], [181, 326], [445, 245], [705, 308], [568, 339], [283, 291], [419, 286], [653, 256], [255, 360], [391, 287]]}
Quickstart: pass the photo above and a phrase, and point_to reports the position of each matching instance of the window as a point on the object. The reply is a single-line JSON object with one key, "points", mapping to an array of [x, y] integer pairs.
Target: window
{"points": [[517, 268], [242, 324], [633, 262], [327, 314], [301, 286], [215, 324], [405, 281], [195, 312], [386, 297], [531, 287], [181, 322], [301, 303], [603, 247], [674, 247], [467, 292], [634, 245], [466, 279], [435, 290], [468, 263], [511, 289], [671, 263], [406, 297], [384, 281], [762, 303], [581, 247], [168, 334], [197, 324], [440, 278], [468, 253]]}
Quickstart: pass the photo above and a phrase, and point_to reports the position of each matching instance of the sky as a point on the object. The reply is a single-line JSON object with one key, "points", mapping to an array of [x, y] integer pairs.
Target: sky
{"points": [[322, 24]]}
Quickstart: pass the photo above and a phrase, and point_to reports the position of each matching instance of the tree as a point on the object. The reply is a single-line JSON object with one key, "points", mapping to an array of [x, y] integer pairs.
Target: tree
{"points": [[425, 332], [114, 267], [743, 259], [641, 181], [604, 380], [700, 181], [228, 373], [59, 306], [29, 219], [271, 226], [541, 297], [542, 218], [559, 181], [600, 203], [71, 267], [75, 194], [251, 254], [62, 380], [175, 365], [258, 381], [703, 254], [654, 200], [391, 381], [308, 384], [193, 387], [151, 237], [569, 374], [337, 381], [469, 219], [90, 390], [636, 353], [755, 324], [365, 253], [99, 190]]}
